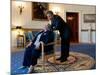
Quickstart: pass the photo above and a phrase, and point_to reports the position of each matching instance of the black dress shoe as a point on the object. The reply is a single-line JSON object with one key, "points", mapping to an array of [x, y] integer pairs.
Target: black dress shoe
{"points": [[58, 58], [63, 60]]}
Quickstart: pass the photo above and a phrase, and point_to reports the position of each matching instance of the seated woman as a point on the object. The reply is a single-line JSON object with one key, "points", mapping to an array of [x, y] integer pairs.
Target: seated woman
{"points": [[33, 49]]}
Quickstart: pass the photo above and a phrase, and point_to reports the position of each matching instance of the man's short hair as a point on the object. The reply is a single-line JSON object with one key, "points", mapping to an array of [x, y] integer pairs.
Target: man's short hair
{"points": [[50, 12]]}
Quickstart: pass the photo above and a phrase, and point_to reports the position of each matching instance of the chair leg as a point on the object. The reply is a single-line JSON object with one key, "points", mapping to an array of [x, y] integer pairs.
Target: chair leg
{"points": [[43, 58], [54, 58], [43, 62], [54, 54]]}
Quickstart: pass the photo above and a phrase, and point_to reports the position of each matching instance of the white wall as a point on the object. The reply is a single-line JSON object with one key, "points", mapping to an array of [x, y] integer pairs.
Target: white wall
{"points": [[81, 9], [25, 20]]}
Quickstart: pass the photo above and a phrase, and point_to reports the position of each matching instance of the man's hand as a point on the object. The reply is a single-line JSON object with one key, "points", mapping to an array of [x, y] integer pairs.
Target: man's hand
{"points": [[29, 44], [41, 30]]}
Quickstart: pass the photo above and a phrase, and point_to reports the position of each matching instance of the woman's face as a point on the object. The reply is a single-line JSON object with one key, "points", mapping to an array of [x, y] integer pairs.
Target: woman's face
{"points": [[49, 16]]}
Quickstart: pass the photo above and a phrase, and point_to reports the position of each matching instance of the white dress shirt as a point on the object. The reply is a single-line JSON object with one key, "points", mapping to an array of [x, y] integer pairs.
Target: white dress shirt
{"points": [[37, 43]]}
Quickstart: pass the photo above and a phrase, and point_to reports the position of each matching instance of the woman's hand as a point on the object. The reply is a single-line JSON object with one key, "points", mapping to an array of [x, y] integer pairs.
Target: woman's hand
{"points": [[29, 44]]}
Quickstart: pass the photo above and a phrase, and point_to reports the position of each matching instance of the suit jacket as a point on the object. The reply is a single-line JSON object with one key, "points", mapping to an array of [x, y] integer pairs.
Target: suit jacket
{"points": [[59, 24], [46, 37]]}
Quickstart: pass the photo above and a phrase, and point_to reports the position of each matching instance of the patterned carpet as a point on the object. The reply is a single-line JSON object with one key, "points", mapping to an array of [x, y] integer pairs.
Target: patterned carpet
{"points": [[83, 62], [85, 54]]}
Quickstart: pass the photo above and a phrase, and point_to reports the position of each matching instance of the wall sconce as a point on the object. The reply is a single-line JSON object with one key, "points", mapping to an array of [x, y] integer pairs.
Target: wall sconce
{"points": [[56, 10], [18, 28], [20, 9], [56, 13], [20, 6]]}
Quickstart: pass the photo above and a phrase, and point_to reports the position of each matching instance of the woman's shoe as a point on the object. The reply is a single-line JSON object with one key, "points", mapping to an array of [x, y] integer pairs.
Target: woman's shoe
{"points": [[31, 69], [22, 67]]}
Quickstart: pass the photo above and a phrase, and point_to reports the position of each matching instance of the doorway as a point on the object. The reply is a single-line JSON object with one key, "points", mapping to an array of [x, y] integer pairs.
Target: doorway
{"points": [[72, 19]]}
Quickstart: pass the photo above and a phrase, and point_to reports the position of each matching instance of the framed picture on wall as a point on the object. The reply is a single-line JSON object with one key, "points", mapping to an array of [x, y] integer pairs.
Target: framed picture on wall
{"points": [[89, 18], [39, 10]]}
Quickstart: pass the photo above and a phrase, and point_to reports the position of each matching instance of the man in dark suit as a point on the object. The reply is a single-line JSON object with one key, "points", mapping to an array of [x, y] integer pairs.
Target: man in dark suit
{"points": [[33, 49], [57, 23]]}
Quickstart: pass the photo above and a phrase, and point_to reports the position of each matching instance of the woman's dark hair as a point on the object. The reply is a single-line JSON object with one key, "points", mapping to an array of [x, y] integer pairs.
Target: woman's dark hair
{"points": [[49, 12]]}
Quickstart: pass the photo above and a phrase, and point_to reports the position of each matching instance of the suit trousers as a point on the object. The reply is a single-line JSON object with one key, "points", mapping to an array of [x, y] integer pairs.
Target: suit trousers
{"points": [[30, 56], [65, 44]]}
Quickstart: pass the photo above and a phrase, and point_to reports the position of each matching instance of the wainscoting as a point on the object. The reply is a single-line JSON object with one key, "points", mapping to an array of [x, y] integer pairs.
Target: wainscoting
{"points": [[88, 36]]}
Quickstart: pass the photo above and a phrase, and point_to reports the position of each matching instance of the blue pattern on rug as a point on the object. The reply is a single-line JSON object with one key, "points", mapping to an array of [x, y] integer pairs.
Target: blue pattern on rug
{"points": [[17, 57]]}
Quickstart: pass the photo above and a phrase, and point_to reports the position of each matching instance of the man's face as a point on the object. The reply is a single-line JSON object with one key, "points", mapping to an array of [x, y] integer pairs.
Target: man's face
{"points": [[49, 16]]}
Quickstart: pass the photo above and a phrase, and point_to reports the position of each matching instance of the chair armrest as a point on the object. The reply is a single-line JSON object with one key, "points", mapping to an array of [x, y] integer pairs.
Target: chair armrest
{"points": [[51, 43]]}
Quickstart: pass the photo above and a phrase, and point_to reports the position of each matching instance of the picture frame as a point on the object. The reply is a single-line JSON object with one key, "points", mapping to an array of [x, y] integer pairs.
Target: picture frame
{"points": [[39, 10], [89, 18]]}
